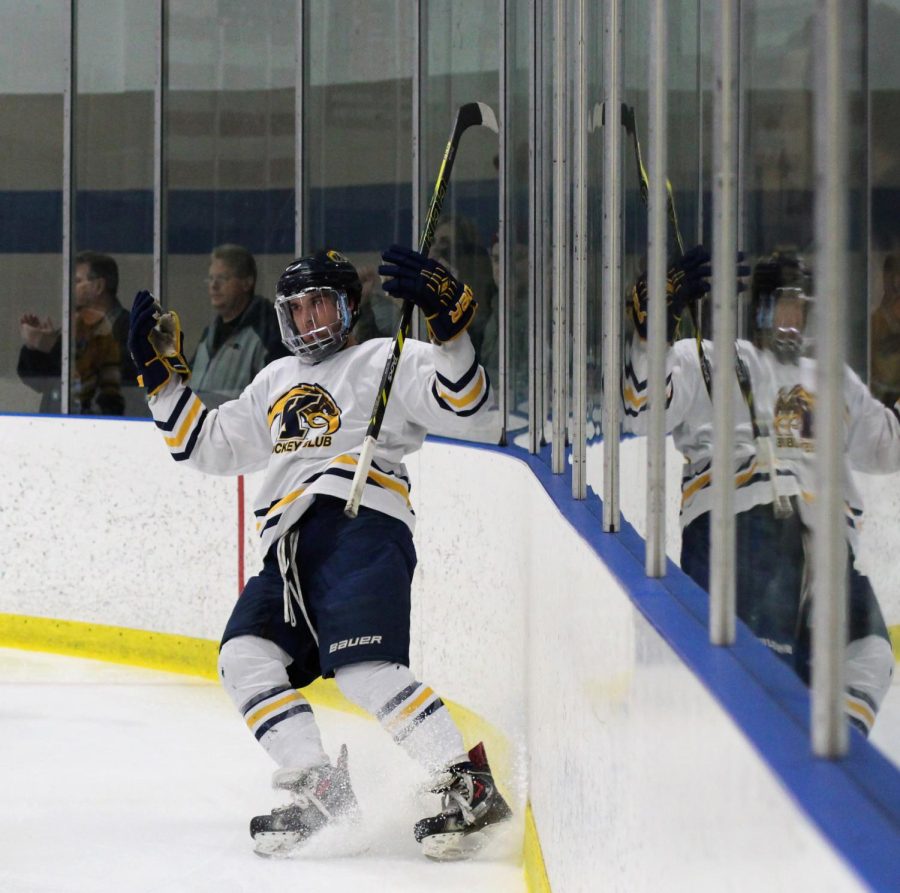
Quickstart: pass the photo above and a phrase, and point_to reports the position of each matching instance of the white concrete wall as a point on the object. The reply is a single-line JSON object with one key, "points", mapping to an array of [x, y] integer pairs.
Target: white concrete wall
{"points": [[98, 525], [638, 779]]}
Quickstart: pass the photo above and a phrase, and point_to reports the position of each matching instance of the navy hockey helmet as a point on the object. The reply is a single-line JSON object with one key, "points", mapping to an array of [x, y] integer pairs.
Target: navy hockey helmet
{"points": [[780, 276], [329, 278]]}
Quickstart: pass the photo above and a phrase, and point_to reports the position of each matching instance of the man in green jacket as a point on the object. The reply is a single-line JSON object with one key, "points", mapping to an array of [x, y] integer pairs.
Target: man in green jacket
{"points": [[244, 335]]}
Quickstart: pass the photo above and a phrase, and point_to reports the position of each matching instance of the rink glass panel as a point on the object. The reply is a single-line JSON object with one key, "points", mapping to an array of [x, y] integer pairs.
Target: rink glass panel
{"points": [[228, 145], [113, 164], [461, 52], [778, 78], [884, 199], [517, 237], [358, 141], [31, 106]]}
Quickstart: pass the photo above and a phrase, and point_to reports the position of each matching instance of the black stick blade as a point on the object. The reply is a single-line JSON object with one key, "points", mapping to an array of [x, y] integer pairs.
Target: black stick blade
{"points": [[476, 114]]}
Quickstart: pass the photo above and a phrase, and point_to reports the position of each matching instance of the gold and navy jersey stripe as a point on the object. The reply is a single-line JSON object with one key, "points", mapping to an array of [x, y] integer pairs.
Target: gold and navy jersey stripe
{"points": [[746, 475], [388, 480], [343, 466], [853, 515], [186, 421], [269, 515], [466, 395], [634, 392], [403, 713], [265, 710]]}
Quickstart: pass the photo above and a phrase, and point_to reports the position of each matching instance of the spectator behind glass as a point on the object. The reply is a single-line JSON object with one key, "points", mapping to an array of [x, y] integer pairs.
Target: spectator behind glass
{"points": [[101, 362], [456, 245], [379, 314], [243, 337], [885, 336]]}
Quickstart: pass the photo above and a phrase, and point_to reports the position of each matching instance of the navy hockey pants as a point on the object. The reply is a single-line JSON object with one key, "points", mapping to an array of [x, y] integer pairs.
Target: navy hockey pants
{"points": [[355, 579], [770, 559]]}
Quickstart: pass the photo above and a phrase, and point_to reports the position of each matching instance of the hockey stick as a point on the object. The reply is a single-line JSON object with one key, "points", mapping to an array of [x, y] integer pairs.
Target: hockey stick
{"points": [[630, 125], [473, 114], [781, 505]]}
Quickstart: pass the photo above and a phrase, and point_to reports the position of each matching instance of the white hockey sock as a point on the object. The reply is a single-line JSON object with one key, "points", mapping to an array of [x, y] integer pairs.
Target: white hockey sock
{"points": [[869, 664], [253, 671], [411, 712]]}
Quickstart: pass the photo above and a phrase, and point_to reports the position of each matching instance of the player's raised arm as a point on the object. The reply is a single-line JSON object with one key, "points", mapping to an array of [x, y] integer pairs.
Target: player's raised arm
{"points": [[229, 440], [458, 386]]}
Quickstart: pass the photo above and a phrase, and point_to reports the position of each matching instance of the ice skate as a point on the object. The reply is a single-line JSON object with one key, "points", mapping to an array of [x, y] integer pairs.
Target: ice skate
{"points": [[320, 796], [471, 803]]}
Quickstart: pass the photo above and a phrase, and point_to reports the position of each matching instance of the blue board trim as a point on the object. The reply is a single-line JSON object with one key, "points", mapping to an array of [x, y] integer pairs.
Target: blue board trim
{"points": [[855, 801]]}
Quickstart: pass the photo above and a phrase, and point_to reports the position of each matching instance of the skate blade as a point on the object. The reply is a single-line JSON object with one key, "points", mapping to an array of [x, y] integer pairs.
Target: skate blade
{"points": [[278, 844], [327, 842], [453, 846]]}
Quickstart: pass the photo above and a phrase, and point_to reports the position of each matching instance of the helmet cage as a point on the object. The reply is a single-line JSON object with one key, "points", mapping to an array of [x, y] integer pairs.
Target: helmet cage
{"points": [[322, 340], [787, 342]]}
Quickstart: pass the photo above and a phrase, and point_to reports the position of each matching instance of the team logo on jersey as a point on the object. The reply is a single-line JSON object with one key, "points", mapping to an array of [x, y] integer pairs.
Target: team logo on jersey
{"points": [[307, 417], [794, 419]]}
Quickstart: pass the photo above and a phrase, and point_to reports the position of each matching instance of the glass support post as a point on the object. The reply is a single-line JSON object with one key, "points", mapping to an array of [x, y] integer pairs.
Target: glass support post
{"points": [[579, 256], [300, 185], [70, 85], [159, 172], [725, 224], [503, 228], [655, 557], [561, 254], [829, 589], [611, 250]]}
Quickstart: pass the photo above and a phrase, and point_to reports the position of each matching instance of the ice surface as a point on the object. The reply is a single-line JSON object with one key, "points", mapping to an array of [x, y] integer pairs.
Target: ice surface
{"points": [[124, 779]]}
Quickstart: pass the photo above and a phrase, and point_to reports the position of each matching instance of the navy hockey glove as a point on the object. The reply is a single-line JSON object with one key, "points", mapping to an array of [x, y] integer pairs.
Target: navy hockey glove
{"points": [[156, 343], [449, 305], [687, 280]]}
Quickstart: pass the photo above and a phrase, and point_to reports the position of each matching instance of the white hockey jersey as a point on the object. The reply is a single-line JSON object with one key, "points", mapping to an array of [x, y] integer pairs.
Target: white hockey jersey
{"points": [[784, 399], [305, 425]]}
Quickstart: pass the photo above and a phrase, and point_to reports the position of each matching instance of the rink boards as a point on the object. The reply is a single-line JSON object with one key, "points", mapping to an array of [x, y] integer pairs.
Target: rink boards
{"points": [[636, 745]]}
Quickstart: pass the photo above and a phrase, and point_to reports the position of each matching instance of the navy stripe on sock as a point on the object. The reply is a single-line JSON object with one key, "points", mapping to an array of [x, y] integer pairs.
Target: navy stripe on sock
{"points": [[258, 699], [397, 700], [269, 723], [862, 696], [436, 704]]}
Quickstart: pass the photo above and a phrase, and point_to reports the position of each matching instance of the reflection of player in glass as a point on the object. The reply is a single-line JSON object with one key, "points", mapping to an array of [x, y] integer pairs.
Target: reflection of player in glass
{"points": [[774, 466], [333, 595]]}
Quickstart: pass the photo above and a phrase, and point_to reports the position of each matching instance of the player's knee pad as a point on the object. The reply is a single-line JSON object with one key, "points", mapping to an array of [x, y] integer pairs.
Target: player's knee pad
{"points": [[250, 664], [371, 684]]}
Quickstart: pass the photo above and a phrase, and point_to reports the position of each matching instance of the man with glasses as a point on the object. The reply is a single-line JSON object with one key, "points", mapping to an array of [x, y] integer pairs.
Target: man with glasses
{"points": [[244, 335]]}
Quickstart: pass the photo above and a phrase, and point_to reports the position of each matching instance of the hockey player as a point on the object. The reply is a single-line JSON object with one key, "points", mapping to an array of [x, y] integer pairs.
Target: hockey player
{"points": [[333, 597], [773, 465]]}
